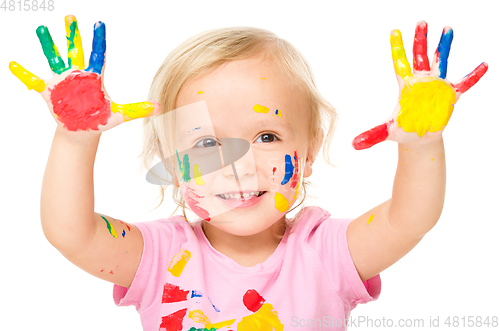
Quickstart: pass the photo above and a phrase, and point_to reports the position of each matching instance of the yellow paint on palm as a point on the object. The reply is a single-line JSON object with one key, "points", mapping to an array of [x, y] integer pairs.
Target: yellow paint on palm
{"points": [[133, 110], [401, 65], [31, 81], [280, 202], [197, 175], [178, 262], [370, 219], [75, 49], [261, 109], [199, 316], [426, 106], [265, 319]]}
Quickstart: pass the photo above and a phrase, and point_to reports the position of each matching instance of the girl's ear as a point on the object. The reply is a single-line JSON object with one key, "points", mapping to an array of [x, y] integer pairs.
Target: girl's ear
{"points": [[312, 152]]}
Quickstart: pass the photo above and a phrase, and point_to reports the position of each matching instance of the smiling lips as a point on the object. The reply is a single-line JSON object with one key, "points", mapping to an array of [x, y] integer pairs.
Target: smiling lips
{"points": [[240, 196]]}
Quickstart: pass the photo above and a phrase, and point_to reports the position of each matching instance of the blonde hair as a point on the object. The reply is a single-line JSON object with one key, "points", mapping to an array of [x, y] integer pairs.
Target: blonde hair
{"points": [[205, 52]]}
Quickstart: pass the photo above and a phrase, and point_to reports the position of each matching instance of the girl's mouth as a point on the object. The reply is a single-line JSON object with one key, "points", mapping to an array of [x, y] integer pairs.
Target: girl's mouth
{"points": [[241, 200], [241, 196]]}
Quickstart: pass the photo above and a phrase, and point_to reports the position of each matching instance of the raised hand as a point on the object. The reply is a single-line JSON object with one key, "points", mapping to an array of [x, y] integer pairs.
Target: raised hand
{"points": [[76, 96], [426, 97]]}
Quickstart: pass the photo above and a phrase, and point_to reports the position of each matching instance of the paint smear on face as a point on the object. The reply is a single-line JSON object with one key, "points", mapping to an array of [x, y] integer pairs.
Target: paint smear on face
{"points": [[194, 129], [253, 300], [199, 92], [197, 175], [172, 293], [262, 77], [279, 113], [280, 202], [123, 233], [261, 109], [274, 170], [173, 322], [184, 167], [31, 81], [426, 106], [110, 227], [199, 316], [192, 201], [289, 168], [295, 176], [128, 227], [265, 319], [178, 262], [370, 219], [79, 102]]}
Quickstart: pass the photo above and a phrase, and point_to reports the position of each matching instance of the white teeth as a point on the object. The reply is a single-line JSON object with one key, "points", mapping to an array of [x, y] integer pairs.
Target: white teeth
{"points": [[240, 196]]}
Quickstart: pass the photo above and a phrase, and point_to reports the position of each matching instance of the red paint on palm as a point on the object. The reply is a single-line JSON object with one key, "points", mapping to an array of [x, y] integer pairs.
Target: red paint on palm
{"points": [[79, 102], [253, 300], [173, 322], [172, 293], [371, 137]]}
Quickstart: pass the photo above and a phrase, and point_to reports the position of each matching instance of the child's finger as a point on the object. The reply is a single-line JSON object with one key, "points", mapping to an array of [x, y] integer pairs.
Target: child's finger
{"points": [[440, 62], [401, 65], [132, 111], [50, 50], [420, 59], [75, 48], [31, 81], [97, 56], [371, 137], [471, 79]]}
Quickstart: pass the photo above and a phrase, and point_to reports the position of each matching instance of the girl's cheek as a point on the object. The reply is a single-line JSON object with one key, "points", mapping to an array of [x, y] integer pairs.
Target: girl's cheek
{"points": [[286, 187]]}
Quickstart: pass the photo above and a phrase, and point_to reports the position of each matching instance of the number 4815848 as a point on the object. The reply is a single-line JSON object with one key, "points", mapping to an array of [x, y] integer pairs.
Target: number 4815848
{"points": [[27, 5]]}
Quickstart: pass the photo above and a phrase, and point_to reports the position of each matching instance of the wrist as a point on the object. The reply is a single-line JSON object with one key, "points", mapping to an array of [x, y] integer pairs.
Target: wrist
{"points": [[80, 138]]}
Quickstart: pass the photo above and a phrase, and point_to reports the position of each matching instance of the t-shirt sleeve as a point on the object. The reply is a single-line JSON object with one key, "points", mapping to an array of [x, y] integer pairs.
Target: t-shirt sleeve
{"points": [[329, 237], [160, 239]]}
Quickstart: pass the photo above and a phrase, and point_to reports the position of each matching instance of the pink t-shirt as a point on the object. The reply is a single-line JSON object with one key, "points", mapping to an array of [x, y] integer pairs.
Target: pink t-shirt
{"points": [[182, 282]]}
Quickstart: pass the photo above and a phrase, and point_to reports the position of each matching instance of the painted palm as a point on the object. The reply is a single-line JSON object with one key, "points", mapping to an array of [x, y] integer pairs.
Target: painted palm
{"points": [[76, 96], [426, 97]]}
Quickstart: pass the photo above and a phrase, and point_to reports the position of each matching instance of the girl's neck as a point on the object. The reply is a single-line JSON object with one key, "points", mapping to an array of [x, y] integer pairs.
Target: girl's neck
{"points": [[245, 250]]}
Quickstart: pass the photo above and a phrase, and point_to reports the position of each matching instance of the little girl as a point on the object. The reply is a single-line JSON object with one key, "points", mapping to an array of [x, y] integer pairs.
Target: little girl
{"points": [[237, 123]]}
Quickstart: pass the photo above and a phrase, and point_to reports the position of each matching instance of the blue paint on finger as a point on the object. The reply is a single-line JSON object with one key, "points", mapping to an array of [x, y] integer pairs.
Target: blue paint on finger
{"points": [[96, 61], [444, 51]]}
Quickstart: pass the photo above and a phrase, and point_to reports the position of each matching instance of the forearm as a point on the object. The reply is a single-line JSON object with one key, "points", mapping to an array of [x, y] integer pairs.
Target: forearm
{"points": [[67, 199], [419, 187]]}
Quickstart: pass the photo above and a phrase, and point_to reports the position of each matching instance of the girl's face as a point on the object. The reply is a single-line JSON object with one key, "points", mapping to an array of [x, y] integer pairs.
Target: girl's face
{"points": [[241, 140]]}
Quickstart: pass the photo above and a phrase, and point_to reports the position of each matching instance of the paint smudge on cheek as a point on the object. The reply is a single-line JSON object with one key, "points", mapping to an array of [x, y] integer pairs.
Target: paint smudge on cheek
{"points": [[197, 175], [260, 109], [123, 233], [173, 322], [192, 201], [274, 170], [370, 219], [280, 202], [295, 177], [200, 92], [110, 227], [184, 167], [178, 262], [128, 227], [79, 102], [289, 169]]}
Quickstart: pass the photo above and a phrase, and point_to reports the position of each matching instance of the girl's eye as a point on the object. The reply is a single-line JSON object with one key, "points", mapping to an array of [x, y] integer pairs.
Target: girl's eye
{"points": [[267, 138], [207, 142]]}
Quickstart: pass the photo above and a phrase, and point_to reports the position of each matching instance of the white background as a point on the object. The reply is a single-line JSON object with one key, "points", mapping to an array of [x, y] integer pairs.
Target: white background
{"points": [[452, 272]]}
